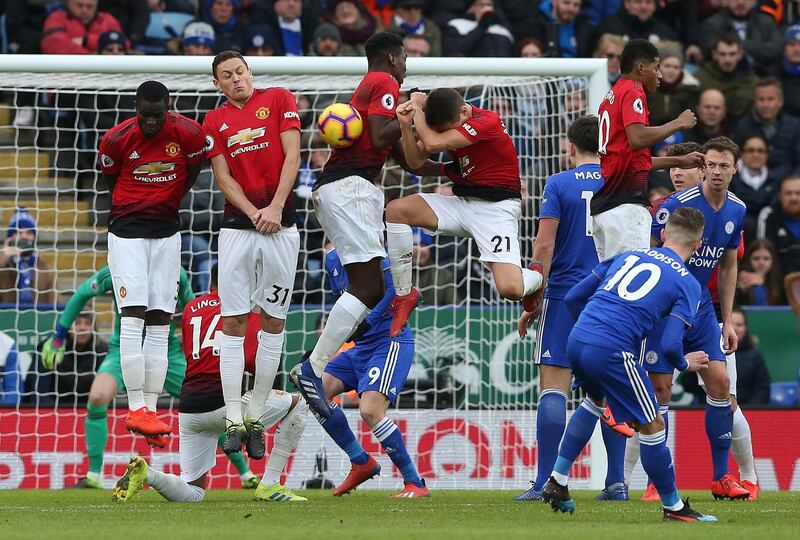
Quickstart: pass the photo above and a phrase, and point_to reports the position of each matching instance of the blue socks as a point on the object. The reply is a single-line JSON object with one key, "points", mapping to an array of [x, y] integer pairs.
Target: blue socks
{"points": [[339, 430], [615, 448], [719, 424], [391, 439], [657, 463], [551, 420], [579, 431]]}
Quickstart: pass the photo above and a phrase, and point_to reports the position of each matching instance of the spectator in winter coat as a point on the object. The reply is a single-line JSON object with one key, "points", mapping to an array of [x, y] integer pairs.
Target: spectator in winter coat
{"points": [[223, 16], [292, 21], [679, 90], [24, 23], [710, 118], [327, 41], [760, 283], [780, 130], [753, 380], [25, 277], [610, 47], [408, 20], [788, 70], [560, 27], [133, 15], [754, 182], [76, 29], [780, 224], [757, 30], [636, 20], [730, 75], [355, 23], [681, 16], [479, 32]]}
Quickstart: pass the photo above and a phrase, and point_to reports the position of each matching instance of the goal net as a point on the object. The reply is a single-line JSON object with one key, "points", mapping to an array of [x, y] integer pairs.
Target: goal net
{"points": [[467, 409]]}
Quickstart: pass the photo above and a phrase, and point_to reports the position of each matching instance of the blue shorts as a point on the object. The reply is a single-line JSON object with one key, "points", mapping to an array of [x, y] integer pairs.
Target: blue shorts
{"points": [[382, 367], [555, 324], [616, 376], [704, 335]]}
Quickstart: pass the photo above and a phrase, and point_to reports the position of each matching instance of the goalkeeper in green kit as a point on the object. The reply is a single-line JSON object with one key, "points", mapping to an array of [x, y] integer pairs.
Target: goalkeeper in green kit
{"points": [[108, 381]]}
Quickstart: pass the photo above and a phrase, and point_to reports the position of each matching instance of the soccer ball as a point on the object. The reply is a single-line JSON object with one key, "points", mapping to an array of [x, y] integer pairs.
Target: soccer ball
{"points": [[340, 125]]}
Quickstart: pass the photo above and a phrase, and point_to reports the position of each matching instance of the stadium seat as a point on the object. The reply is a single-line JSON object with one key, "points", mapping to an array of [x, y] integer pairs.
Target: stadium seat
{"points": [[783, 394], [162, 28]]}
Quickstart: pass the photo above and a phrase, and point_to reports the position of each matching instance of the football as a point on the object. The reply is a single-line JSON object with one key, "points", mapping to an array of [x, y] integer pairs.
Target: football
{"points": [[340, 125]]}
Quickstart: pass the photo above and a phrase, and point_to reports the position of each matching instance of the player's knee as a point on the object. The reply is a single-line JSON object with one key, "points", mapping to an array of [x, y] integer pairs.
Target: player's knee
{"points": [[234, 325], [395, 212], [719, 387], [98, 400], [663, 391], [653, 427], [272, 325], [371, 415], [510, 290]]}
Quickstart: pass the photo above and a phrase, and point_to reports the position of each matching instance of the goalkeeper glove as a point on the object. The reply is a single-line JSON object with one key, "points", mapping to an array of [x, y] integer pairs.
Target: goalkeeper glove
{"points": [[53, 349]]}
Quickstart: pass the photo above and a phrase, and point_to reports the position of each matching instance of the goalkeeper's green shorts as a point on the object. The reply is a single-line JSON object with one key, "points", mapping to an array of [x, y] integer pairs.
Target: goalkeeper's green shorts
{"points": [[176, 369]]}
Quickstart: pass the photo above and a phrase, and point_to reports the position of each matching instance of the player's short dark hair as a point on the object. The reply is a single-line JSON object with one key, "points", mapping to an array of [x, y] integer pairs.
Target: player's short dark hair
{"points": [[584, 134], [729, 38], [214, 275], [688, 222], [722, 144], [635, 51], [222, 57], [443, 107], [681, 149], [152, 92], [381, 44]]}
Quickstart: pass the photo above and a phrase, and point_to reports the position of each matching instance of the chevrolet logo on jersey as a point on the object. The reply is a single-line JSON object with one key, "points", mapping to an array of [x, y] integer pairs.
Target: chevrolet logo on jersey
{"points": [[246, 136], [154, 167]]}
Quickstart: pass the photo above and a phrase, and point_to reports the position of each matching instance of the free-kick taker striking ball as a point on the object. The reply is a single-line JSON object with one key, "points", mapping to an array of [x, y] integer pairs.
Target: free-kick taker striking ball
{"points": [[340, 125]]}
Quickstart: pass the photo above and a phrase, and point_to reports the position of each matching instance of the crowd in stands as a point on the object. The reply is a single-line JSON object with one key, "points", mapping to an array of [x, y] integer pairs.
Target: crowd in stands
{"points": [[735, 62]]}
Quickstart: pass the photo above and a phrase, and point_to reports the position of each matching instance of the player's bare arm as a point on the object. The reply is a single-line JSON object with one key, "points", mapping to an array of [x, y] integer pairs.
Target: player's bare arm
{"points": [[727, 288], [413, 150], [433, 140], [542, 252], [383, 131], [691, 160], [110, 181], [641, 136], [268, 220], [192, 172], [230, 187]]}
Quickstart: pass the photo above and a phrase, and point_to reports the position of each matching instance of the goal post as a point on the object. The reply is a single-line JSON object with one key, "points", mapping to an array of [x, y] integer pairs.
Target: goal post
{"points": [[466, 410]]}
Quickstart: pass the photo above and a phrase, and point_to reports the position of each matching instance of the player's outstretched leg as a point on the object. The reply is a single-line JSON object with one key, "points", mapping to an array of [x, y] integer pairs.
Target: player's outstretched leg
{"points": [[363, 467], [268, 359], [104, 388], [399, 245], [657, 463], [386, 433], [579, 431], [132, 481], [742, 450], [287, 436], [551, 421], [616, 489]]}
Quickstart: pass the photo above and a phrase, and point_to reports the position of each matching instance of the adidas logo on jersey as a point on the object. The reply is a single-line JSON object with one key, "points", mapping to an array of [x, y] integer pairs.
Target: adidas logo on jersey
{"points": [[393, 390], [546, 354], [134, 155], [726, 436], [223, 127]]}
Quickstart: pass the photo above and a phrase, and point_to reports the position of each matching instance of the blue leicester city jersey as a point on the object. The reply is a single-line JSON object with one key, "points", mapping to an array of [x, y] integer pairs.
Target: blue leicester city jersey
{"points": [[723, 228], [567, 196], [638, 288], [380, 318]]}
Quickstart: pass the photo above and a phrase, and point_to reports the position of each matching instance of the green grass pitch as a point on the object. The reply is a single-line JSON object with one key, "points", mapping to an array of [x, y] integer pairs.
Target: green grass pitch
{"points": [[451, 515]]}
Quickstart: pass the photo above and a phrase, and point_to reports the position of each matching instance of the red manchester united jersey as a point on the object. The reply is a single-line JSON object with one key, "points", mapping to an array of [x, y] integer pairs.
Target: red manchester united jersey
{"points": [[489, 166], [625, 170], [376, 95], [151, 175], [202, 329], [250, 140]]}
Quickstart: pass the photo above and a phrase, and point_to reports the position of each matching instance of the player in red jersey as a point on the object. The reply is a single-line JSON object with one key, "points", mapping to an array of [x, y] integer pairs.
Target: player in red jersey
{"points": [[253, 142], [621, 220], [486, 204], [148, 162], [350, 207], [202, 414]]}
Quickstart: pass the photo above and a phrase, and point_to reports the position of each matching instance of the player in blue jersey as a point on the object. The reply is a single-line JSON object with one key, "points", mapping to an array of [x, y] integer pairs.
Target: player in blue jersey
{"points": [[724, 220], [376, 367], [616, 305], [565, 247]]}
